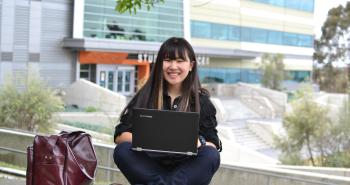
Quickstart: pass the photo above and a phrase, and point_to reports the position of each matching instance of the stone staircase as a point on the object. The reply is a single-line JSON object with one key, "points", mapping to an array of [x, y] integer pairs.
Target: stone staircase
{"points": [[237, 115], [248, 139]]}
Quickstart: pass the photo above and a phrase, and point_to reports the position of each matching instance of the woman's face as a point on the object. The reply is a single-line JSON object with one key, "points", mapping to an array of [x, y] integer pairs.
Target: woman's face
{"points": [[176, 70]]}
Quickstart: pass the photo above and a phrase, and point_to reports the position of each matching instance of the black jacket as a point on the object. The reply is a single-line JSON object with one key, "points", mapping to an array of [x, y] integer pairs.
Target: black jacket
{"points": [[207, 120]]}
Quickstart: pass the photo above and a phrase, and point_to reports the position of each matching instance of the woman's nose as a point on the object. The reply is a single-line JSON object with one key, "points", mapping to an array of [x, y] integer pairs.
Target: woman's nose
{"points": [[173, 64]]}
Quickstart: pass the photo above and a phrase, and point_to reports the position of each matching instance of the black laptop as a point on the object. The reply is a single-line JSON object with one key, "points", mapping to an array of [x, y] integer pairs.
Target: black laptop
{"points": [[165, 131]]}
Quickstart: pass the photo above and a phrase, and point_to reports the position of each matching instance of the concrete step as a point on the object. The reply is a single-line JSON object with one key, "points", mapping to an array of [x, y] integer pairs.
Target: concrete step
{"points": [[247, 138]]}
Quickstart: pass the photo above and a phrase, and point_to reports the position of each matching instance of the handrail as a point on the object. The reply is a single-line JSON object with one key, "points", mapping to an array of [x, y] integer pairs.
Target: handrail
{"points": [[25, 153]]}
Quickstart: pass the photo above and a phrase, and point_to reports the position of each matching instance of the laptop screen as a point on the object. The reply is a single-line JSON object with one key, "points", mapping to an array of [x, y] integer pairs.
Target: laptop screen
{"points": [[165, 131]]}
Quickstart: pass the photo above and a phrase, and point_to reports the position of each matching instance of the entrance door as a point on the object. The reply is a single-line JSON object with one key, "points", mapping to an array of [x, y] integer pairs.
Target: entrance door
{"points": [[116, 78], [107, 79], [125, 80]]}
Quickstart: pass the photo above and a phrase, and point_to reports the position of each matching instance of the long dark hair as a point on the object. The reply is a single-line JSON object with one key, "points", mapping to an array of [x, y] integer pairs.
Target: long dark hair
{"points": [[151, 94]]}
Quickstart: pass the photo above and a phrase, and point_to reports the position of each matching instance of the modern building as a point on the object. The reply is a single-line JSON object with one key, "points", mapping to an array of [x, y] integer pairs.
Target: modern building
{"points": [[64, 40], [234, 35]]}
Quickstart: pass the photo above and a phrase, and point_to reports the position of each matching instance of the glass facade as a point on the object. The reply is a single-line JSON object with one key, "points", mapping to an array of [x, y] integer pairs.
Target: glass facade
{"points": [[101, 20], [302, 5], [207, 30], [228, 75], [234, 75], [299, 76]]}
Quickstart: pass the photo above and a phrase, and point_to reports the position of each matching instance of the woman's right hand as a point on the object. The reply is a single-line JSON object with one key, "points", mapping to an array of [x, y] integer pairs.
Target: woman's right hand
{"points": [[124, 137]]}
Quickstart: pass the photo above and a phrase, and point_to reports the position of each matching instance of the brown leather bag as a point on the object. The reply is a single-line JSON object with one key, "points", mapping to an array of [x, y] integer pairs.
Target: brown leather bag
{"points": [[64, 159]]}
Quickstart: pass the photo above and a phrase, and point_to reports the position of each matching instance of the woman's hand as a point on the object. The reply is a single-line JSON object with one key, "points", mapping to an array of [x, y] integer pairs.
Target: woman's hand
{"points": [[206, 143], [210, 144], [124, 137]]}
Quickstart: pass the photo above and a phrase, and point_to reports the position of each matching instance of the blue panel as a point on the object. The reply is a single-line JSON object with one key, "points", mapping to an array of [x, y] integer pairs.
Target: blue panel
{"points": [[274, 37], [228, 75], [201, 29], [259, 35], [219, 32], [303, 5], [234, 33]]}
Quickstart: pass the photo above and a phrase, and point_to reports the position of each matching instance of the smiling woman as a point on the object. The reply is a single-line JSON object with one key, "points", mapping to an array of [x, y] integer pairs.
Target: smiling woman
{"points": [[173, 85]]}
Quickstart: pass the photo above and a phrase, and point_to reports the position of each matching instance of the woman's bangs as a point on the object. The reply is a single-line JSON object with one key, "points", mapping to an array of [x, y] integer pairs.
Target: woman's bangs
{"points": [[174, 51]]}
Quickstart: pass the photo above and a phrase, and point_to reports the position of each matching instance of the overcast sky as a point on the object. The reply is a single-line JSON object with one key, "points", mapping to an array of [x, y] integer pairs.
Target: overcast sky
{"points": [[321, 11]]}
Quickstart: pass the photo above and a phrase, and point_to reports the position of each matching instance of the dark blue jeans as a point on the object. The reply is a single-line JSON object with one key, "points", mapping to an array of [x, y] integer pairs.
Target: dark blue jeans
{"points": [[140, 168]]}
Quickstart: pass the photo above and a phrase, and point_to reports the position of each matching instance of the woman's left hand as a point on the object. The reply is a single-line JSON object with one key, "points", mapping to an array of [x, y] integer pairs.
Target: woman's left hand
{"points": [[206, 143], [210, 144]]}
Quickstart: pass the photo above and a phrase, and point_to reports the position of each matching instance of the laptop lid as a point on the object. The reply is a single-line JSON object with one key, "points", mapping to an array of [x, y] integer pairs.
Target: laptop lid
{"points": [[165, 131]]}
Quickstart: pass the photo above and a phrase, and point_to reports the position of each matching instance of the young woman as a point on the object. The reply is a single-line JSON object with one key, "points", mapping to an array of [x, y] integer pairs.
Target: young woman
{"points": [[173, 85]]}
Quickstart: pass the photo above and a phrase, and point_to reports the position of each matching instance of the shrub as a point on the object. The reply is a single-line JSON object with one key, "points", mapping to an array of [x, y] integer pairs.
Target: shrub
{"points": [[91, 109], [30, 108]]}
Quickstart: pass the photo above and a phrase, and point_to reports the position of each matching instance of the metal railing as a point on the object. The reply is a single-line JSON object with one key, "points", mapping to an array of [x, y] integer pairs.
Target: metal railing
{"points": [[21, 152]]}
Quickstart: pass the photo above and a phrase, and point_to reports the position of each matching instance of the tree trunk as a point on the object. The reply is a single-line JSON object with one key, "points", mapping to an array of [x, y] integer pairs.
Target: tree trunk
{"points": [[309, 149]]}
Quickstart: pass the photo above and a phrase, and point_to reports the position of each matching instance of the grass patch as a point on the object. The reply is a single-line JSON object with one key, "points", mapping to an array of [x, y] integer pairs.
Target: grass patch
{"points": [[91, 109], [7, 165]]}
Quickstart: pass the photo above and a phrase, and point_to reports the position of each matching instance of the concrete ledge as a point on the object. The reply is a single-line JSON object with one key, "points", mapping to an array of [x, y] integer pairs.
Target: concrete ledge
{"points": [[243, 174], [236, 173], [87, 94]]}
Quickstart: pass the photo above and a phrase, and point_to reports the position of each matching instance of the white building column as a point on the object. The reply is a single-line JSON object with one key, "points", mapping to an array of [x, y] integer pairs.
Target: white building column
{"points": [[187, 20], [78, 21], [35, 13], [7, 38]]}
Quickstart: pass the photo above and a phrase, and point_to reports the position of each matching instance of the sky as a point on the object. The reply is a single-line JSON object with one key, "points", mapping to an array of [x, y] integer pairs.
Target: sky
{"points": [[321, 11]]}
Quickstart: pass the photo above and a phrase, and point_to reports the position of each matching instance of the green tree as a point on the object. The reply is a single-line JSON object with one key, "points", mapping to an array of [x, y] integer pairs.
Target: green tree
{"points": [[306, 127], [132, 5], [272, 69], [338, 150], [332, 46], [30, 108]]}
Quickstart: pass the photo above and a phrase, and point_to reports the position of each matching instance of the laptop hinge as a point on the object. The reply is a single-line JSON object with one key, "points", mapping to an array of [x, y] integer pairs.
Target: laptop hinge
{"points": [[138, 149]]}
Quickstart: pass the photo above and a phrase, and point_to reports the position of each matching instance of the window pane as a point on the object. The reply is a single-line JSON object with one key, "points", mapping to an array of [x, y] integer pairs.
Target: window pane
{"points": [[234, 33], [274, 37], [258, 35], [246, 34], [110, 80], [200, 29], [219, 32]]}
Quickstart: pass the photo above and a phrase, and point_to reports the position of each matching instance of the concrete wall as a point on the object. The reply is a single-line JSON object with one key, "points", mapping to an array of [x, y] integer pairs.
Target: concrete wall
{"points": [[342, 172], [266, 102], [243, 174], [87, 94], [240, 174], [234, 153], [221, 114]]}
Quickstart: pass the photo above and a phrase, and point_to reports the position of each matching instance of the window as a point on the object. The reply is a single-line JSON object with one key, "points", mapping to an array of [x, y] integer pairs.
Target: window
{"points": [[85, 71], [290, 39], [302, 5], [234, 33], [305, 41], [228, 75], [102, 21], [246, 34], [274, 37], [258, 35], [214, 31], [219, 32], [200, 29]]}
